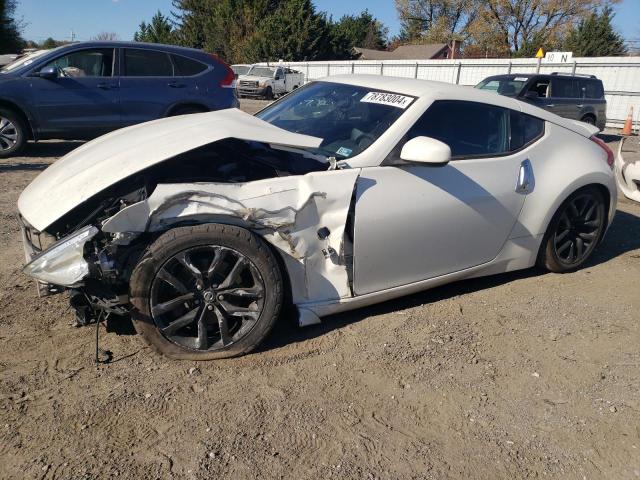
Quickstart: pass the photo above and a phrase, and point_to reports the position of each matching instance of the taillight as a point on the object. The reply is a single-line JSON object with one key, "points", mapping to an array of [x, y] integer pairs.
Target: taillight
{"points": [[605, 147], [229, 79]]}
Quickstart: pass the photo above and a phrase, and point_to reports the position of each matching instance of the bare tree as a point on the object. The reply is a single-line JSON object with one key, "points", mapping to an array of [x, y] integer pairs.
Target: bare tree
{"points": [[106, 37], [520, 22], [435, 20]]}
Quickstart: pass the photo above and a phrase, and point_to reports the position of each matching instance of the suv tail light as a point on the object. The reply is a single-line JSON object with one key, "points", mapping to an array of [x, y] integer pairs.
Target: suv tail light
{"points": [[229, 79], [605, 147]]}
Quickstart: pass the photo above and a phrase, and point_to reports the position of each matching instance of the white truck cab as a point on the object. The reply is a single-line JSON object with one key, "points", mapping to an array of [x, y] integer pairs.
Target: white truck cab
{"points": [[268, 81]]}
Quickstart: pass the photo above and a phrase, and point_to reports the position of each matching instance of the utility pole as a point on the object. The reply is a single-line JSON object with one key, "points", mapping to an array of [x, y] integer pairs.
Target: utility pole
{"points": [[73, 35]]}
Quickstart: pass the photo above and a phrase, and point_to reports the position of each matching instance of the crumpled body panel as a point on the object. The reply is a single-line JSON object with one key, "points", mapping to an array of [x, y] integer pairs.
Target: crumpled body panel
{"points": [[304, 217]]}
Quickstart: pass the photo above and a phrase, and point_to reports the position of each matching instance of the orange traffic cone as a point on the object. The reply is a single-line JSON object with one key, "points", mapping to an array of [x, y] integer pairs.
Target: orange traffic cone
{"points": [[628, 124]]}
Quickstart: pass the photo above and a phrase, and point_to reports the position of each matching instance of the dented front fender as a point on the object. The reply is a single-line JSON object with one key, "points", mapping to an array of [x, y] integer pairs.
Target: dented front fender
{"points": [[304, 217]]}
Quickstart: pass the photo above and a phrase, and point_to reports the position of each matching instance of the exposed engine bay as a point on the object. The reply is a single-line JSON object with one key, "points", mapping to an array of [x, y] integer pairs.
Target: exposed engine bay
{"points": [[206, 179]]}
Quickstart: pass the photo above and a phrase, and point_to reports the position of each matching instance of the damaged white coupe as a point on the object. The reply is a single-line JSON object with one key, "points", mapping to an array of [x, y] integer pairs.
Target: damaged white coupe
{"points": [[350, 191]]}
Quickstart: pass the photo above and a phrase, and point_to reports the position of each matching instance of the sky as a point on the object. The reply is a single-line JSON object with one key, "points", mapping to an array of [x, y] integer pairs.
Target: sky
{"points": [[87, 18]]}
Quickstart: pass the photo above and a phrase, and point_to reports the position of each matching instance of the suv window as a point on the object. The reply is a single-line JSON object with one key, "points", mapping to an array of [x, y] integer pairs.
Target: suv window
{"points": [[524, 130], [484, 131], [147, 63], [540, 86], [591, 88], [564, 88], [186, 67], [85, 63]]}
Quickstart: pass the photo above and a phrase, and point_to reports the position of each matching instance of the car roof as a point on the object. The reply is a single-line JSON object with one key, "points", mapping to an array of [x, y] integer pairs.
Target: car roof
{"points": [[190, 52], [449, 91]]}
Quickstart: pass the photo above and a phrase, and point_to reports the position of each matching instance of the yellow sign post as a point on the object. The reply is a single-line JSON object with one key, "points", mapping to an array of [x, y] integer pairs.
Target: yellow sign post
{"points": [[539, 56]]}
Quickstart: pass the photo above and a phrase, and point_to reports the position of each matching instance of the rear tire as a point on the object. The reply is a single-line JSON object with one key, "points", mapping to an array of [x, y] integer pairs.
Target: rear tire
{"points": [[206, 292], [13, 133], [574, 231], [590, 119]]}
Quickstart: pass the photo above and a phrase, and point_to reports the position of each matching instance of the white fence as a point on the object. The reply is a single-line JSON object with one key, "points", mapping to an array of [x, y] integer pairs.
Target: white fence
{"points": [[620, 75]]}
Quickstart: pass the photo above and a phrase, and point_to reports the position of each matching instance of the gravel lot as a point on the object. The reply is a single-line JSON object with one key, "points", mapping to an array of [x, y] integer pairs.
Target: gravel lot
{"points": [[522, 375]]}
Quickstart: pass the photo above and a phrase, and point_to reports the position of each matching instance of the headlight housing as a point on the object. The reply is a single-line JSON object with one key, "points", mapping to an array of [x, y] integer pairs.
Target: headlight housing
{"points": [[63, 263]]}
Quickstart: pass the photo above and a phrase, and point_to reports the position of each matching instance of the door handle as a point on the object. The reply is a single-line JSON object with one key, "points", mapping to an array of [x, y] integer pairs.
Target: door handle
{"points": [[550, 105], [176, 85], [580, 106], [107, 86], [525, 182]]}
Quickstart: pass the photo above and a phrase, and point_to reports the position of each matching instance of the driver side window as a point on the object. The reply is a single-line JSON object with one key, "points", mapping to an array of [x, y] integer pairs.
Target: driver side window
{"points": [[85, 63], [470, 129]]}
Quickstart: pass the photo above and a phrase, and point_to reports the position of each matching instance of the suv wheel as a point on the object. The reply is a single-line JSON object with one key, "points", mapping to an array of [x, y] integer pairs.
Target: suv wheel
{"points": [[13, 134], [590, 119]]}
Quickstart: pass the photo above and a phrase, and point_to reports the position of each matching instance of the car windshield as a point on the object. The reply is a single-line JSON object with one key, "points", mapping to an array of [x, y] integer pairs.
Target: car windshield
{"points": [[509, 86], [23, 61], [240, 69], [261, 71], [348, 118]]}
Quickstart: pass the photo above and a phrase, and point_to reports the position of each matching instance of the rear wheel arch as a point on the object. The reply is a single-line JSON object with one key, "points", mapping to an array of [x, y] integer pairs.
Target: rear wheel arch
{"points": [[20, 112], [600, 188]]}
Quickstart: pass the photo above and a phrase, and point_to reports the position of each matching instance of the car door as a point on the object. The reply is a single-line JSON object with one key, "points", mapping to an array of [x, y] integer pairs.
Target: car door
{"points": [[147, 85], [83, 101], [414, 221], [565, 97], [279, 81]]}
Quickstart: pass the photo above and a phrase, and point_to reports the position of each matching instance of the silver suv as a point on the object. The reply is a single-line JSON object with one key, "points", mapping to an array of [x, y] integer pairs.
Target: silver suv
{"points": [[579, 97]]}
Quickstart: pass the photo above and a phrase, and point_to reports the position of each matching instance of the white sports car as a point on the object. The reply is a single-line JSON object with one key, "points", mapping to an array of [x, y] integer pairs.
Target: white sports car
{"points": [[350, 191]]}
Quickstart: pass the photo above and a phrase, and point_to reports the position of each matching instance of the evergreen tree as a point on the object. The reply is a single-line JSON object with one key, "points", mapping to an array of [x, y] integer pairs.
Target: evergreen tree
{"points": [[595, 36], [48, 44], [293, 32], [357, 31], [10, 40], [160, 30]]}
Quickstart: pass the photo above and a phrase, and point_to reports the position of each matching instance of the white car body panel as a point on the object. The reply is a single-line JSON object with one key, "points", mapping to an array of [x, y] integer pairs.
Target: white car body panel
{"points": [[627, 175], [98, 164], [415, 226], [464, 211]]}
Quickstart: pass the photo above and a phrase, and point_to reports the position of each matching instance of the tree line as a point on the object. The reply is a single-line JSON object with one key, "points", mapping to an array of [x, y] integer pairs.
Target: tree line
{"points": [[513, 28], [247, 31]]}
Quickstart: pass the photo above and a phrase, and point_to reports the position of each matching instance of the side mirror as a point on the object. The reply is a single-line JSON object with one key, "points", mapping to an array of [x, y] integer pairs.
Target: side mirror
{"points": [[426, 150], [49, 73], [531, 95]]}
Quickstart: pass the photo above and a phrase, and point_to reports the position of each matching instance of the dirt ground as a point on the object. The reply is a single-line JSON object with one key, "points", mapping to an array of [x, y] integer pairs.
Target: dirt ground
{"points": [[523, 375]]}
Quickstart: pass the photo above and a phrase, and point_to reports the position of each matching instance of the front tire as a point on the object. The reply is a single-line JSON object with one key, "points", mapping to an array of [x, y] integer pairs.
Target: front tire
{"points": [[268, 94], [574, 231], [13, 133], [206, 292]]}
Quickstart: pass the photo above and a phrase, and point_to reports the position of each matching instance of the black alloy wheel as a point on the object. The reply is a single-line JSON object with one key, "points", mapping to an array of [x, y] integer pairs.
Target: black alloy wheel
{"points": [[206, 298], [574, 231]]}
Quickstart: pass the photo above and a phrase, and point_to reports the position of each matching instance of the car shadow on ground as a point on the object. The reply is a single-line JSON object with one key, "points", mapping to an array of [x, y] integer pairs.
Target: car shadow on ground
{"points": [[12, 167], [609, 137], [56, 148]]}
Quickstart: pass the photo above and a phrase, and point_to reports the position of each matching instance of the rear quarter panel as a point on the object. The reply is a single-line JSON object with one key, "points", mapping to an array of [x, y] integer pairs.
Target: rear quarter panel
{"points": [[563, 162]]}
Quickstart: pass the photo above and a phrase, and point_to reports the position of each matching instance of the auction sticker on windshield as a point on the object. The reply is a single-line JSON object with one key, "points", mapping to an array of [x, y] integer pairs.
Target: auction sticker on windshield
{"points": [[391, 99]]}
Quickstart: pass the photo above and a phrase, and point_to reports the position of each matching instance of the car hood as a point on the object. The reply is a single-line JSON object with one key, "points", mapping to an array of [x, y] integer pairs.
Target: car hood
{"points": [[253, 77], [105, 161]]}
